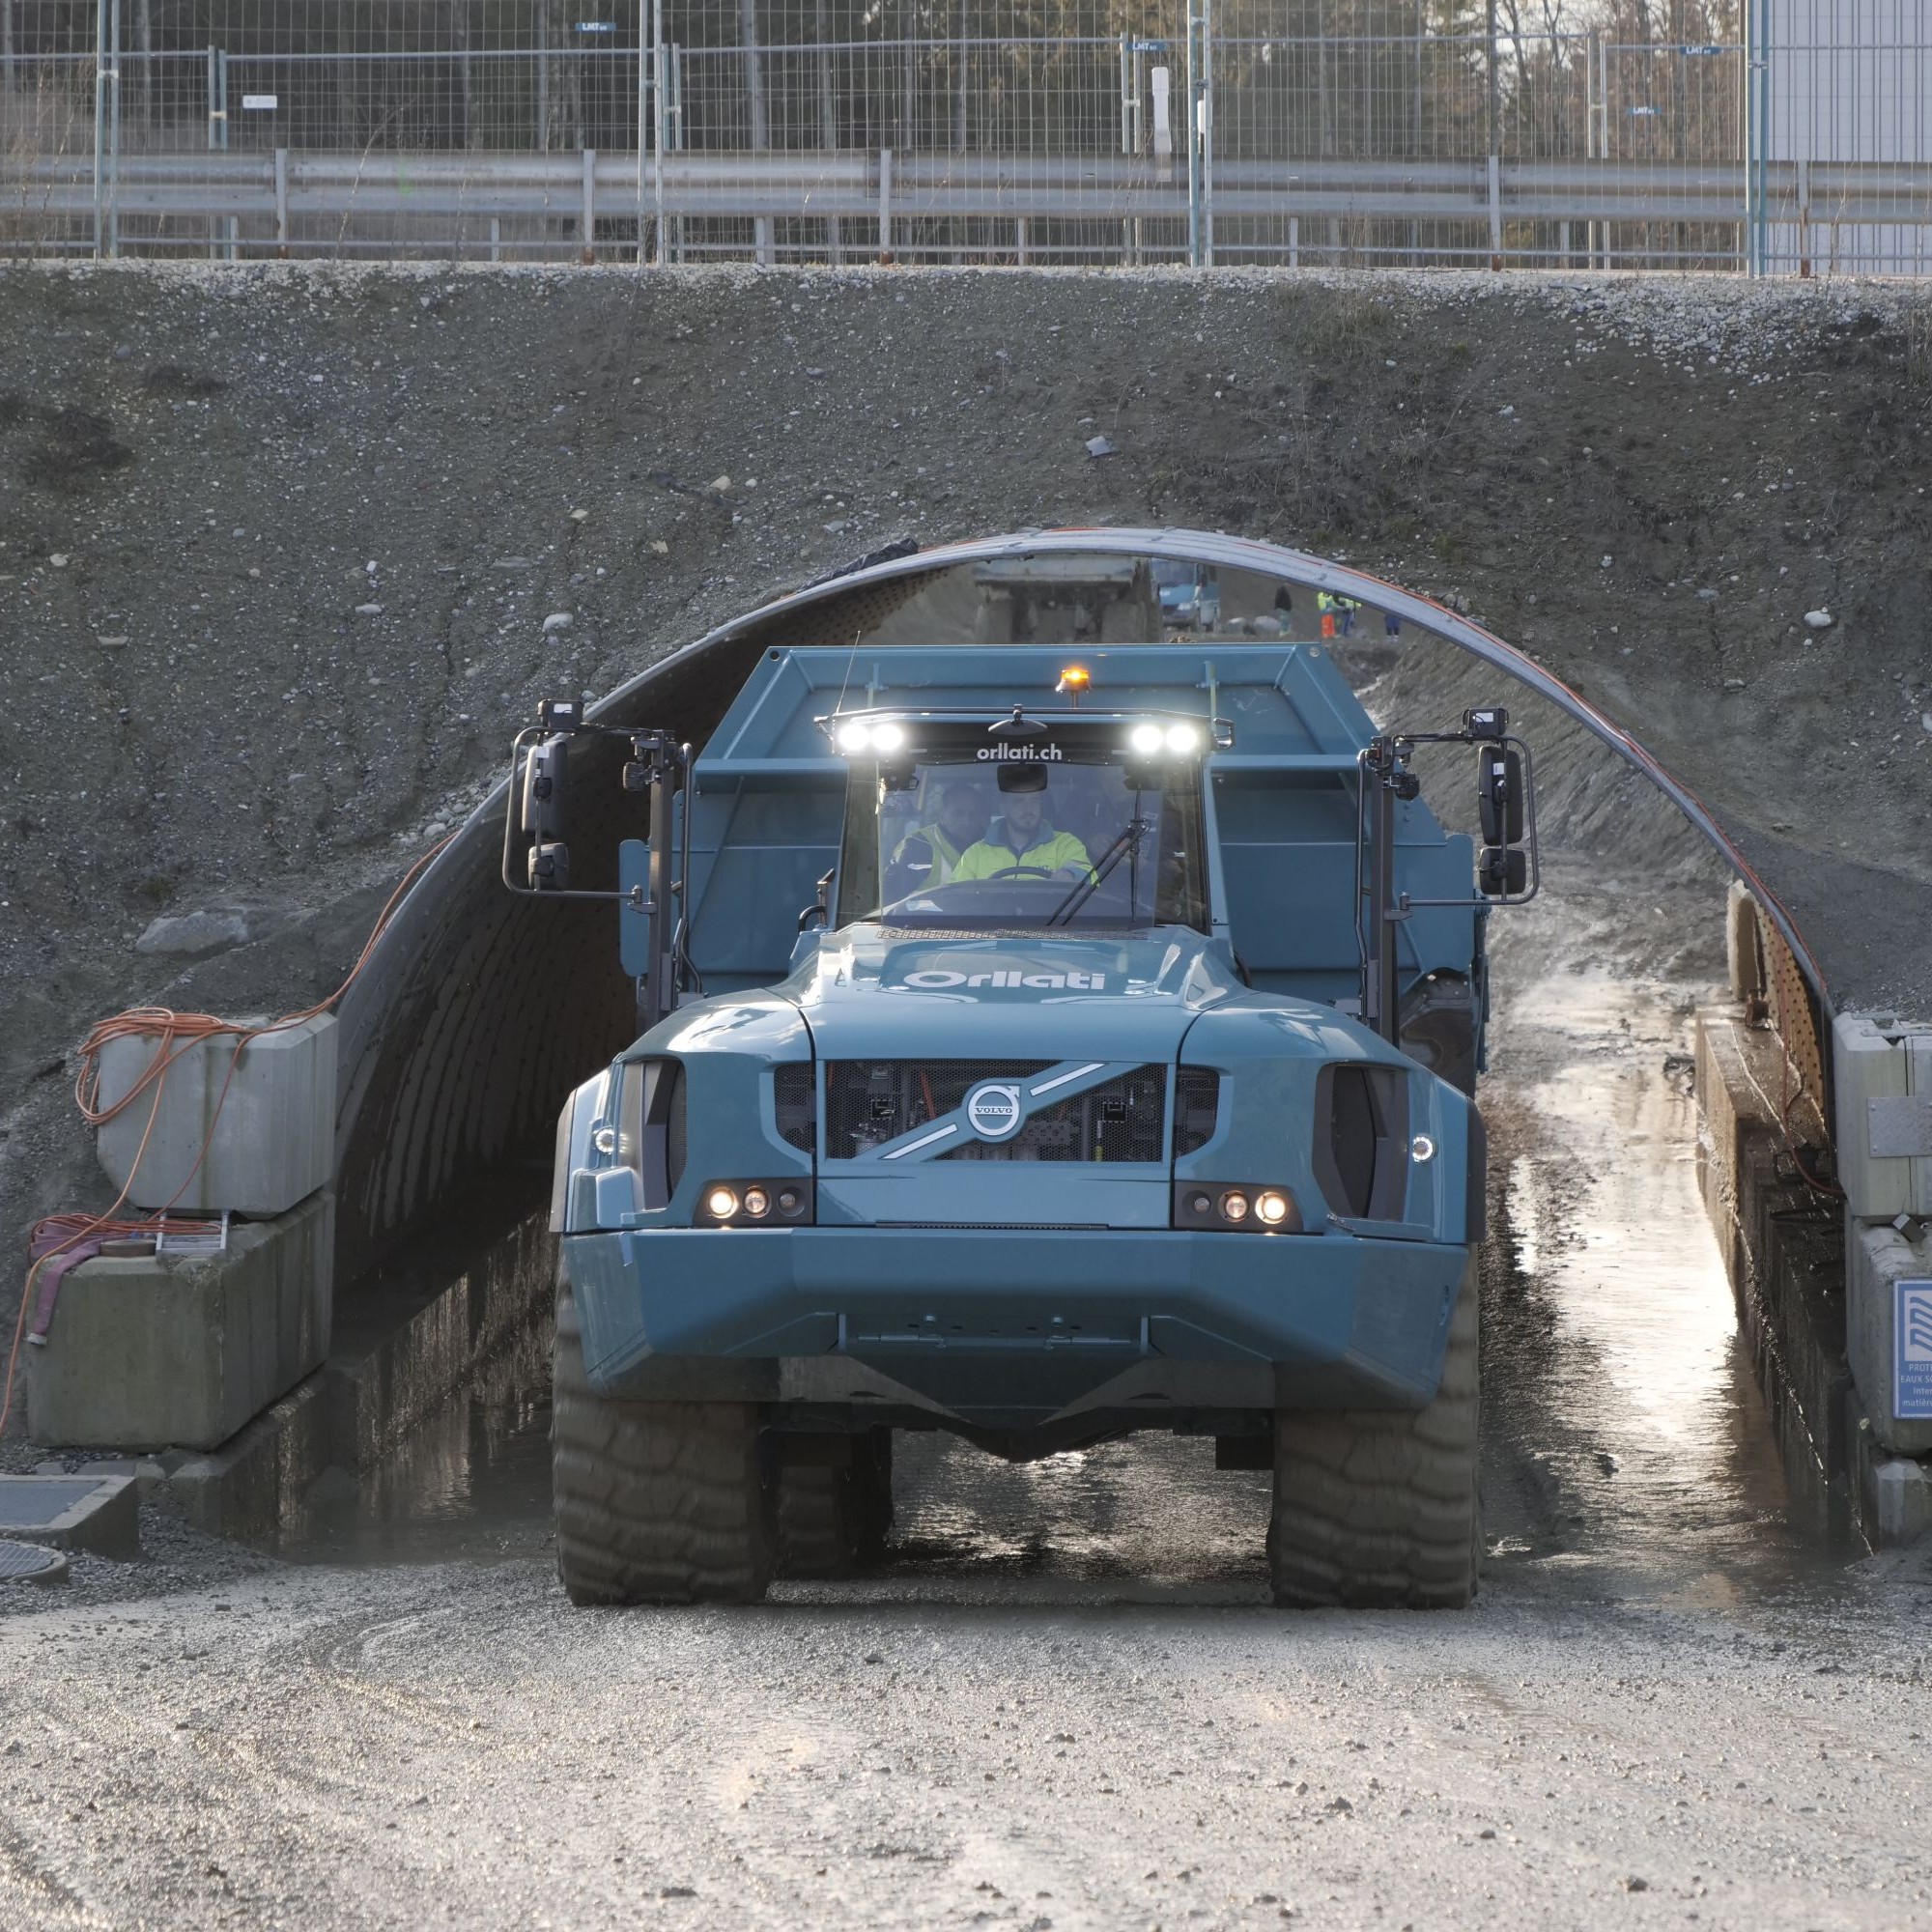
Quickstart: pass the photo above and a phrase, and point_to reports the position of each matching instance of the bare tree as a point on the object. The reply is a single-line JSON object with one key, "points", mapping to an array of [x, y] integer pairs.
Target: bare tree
{"points": [[561, 86], [470, 133]]}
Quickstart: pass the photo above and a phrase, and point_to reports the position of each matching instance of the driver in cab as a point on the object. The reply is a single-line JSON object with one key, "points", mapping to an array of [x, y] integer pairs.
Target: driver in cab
{"points": [[1022, 838]]}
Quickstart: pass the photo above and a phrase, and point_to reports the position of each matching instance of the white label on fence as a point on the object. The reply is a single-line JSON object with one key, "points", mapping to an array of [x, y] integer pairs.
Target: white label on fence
{"points": [[1162, 80], [268, 101]]}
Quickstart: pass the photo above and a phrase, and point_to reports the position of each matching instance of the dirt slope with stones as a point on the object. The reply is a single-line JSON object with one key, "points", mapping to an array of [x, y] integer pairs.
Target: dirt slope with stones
{"points": [[286, 554]]}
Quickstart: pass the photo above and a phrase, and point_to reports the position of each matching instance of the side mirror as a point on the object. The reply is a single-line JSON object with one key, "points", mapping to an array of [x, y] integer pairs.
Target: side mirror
{"points": [[1502, 871], [546, 795], [1499, 794]]}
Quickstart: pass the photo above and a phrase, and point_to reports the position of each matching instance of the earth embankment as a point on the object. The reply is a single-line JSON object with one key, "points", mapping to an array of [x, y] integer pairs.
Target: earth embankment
{"points": [[287, 554]]}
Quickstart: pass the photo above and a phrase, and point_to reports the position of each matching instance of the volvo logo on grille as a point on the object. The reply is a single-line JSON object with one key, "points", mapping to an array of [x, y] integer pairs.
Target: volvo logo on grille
{"points": [[993, 1111]]}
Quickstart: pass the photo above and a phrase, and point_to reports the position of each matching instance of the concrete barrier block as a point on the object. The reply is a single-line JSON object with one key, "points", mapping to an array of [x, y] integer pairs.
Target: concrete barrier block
{"points": [[184, 1350], [1882, 1089], [273, 1141], [1888, 1322], [1898, 1501]]}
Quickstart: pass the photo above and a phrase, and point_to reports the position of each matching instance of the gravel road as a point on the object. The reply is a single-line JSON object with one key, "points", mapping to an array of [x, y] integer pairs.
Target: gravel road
{"points": [[1063, 1702]]}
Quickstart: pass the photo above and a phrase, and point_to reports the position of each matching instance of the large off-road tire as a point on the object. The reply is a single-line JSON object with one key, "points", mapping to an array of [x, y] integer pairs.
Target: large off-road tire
{"points": [[833, 1521], [1379, 1508], [656, 1502]]}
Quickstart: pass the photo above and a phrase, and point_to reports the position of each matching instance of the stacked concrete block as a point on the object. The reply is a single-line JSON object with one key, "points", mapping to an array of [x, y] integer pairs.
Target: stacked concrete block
{"points": [[270, 1109], [1884, 1128], [1888, 1330], [1882, 1092], [182, 1351]]}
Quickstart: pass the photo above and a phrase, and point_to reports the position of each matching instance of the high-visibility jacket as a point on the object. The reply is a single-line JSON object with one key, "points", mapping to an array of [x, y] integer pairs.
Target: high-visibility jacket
{"points": [[1338, 615], [945, 854], [1050, 852]]}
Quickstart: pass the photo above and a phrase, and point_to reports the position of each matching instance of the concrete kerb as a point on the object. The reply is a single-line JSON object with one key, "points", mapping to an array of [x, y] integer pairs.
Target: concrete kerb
{"points": [[95, 1513]]}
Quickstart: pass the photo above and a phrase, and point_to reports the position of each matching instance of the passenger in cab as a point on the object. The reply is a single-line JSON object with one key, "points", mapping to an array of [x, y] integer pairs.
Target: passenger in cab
{"points": [[1022, 836], [930, 854]]}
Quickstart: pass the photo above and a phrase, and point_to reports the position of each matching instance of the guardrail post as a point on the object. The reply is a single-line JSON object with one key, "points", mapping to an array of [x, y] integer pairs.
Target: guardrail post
{"points": [[113, 129], [1804, 220], [282, 204], [100, 127], [1496, 213], [660, 124], [1295, 241], [1020, 240], [587, 221], [885, 205]]}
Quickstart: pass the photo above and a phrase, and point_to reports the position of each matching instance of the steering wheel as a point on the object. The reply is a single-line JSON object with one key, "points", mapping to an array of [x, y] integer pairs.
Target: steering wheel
{"points": [[1022, 873]]}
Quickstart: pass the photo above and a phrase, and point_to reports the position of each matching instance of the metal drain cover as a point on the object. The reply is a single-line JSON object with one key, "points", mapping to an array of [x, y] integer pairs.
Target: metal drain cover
{"points": [[29, 1563]]}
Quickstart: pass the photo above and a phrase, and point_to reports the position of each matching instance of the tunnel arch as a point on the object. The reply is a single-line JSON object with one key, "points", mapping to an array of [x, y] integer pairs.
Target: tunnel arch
{"points": [[478, 1009]]}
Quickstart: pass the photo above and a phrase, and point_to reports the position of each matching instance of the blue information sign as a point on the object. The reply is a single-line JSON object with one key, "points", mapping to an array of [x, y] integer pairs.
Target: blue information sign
{"points": [[1913, 1352]]}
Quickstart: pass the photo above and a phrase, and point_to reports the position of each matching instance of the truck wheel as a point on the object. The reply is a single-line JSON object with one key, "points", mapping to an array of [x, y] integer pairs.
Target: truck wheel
{"points": [[1377, 1509], [833, 1521], [656, 1502]]}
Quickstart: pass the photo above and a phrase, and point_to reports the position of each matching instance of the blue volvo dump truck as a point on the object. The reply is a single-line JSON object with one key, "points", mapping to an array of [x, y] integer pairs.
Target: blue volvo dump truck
{"points": [[1040, 1048]]}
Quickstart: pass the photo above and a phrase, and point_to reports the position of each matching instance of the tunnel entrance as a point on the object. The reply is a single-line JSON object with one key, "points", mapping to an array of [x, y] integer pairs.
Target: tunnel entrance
{"points": [[479, 1011]]}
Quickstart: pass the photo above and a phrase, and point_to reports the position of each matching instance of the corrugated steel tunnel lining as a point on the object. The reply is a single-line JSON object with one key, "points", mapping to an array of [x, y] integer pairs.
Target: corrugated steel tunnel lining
{"points": [[478, 1009]]}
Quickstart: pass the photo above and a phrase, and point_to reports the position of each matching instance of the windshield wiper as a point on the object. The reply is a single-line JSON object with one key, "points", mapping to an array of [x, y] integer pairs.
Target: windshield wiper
{"points": [[1128, 841]]}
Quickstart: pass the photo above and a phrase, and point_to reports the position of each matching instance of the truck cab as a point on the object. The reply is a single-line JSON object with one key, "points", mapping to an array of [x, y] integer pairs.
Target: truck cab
{"points": [[1039, 1051]]}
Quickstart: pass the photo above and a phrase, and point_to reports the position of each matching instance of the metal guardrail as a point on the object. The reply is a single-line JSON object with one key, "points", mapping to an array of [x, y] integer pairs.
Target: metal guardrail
{"points": [[277, 192]]}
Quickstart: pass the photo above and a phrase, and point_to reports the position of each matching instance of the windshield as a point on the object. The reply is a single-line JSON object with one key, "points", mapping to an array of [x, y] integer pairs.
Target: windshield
{"points": [[1083, 842]]}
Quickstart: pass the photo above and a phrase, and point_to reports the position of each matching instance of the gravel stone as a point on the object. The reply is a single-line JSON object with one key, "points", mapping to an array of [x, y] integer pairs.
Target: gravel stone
{"points": [[194, 932]]}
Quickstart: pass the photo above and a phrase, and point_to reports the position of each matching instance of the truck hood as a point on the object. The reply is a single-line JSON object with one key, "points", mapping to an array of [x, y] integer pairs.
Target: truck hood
{"points": [[869, 992]]}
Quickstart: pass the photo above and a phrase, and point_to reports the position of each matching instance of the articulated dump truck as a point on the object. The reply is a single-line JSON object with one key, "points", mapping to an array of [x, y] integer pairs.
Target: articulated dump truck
{"points": [[1040, 1044]]}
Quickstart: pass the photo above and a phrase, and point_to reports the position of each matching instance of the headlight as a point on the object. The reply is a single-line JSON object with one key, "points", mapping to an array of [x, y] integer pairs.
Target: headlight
{"points": [[755, 1204], [1244, 1209]]}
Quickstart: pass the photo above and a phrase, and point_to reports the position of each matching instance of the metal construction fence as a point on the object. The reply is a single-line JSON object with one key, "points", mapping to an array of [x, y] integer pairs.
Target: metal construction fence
{"points": [[666, 136]]}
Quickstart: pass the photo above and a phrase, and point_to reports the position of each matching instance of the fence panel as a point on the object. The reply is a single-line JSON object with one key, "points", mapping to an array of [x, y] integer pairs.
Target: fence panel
{"points": [[1840, 84], [979, 131]]}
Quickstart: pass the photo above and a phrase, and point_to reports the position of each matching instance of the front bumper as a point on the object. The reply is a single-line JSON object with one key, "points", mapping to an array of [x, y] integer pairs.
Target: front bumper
{"points": [[1012, 1324]]}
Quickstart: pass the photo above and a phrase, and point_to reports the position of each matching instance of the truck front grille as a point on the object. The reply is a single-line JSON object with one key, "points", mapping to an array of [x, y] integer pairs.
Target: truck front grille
{"points": [[1122, 1119], [871, 1102]]}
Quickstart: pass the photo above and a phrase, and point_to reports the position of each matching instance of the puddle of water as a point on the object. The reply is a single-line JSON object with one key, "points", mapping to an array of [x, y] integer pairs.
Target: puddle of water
{"points": [[1153, 1511], [1651, 1437], [471, 1483]]}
